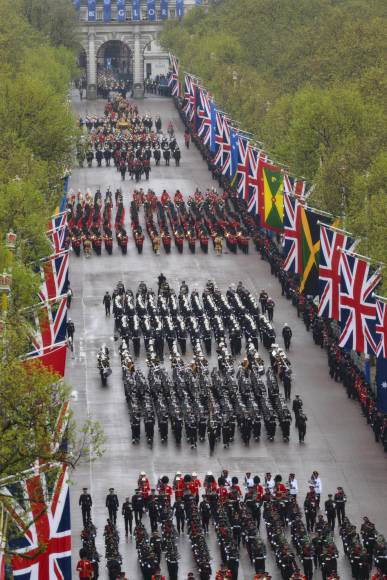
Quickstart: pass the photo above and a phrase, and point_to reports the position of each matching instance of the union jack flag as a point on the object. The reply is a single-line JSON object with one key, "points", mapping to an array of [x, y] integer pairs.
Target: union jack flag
{"points": [[41, 511], [248, 165], [203, 118], [331, 243], [56, 222], [54, 272], [297, 187], [357, 305], [292, 234], [381, 329], [223, 142], [58, 239], [173, 81], [190, 98], [49, 323]]}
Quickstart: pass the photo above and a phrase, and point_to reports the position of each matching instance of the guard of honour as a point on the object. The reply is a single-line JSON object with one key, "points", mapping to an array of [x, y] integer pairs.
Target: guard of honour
{"points": [[234, 510]]}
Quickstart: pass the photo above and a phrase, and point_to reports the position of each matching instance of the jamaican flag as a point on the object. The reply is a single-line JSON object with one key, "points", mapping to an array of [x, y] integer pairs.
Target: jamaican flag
{"points": [[310, 249], [271, 190]]}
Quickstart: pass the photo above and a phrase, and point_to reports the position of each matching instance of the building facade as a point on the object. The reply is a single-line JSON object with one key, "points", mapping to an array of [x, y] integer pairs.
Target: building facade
{"points": [[128, 47]]}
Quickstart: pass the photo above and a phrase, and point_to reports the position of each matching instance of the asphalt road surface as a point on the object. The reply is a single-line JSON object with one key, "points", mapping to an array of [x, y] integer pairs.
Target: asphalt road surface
{"points": [[339, 444]]}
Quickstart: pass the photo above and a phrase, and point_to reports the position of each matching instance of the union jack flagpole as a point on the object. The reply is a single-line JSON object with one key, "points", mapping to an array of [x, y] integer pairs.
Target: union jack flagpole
{"points": [[3, 539], [365, 258]]}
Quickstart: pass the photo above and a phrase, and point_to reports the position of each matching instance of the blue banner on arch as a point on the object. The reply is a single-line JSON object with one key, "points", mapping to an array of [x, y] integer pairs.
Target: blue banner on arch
{"points": [[121, 11], [180, 8], [151, 9], [136, 15], [91, 11], [107, 10], [163, 9]]}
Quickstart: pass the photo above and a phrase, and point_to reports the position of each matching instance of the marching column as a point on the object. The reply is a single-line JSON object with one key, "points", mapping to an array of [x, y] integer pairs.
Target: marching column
{"points": [[91, 68], [138, 68]]}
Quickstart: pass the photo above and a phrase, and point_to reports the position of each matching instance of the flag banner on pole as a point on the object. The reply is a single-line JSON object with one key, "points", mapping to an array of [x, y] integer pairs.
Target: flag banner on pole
{"points": [[381, 383], [54, 272], [48, 324], [107, 10], [271, 188], [136, 14], [53, 357], [77, 6], [381, 328], [91, 11], [203, 115], [173, 81], [179, 8], [151, 9], [332, 241], [232, 167], [40, 509], [163, 9], [292, 235], [358, 281], [310, 249], [248, 173], [121, 10], [189, 97], [298, 187], [57, 239], [222, 141], [214, 122]]}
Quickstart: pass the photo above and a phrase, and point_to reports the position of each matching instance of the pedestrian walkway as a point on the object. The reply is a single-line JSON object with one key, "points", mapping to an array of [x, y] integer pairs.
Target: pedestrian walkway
{"points": [[338, 444]]}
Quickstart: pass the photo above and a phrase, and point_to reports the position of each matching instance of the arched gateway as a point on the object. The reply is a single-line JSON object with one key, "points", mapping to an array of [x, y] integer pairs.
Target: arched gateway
{"points": [[124, 46]]}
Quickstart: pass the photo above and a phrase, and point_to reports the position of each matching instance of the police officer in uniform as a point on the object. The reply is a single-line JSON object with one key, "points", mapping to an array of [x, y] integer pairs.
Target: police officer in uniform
{"points": [[85, 502]]}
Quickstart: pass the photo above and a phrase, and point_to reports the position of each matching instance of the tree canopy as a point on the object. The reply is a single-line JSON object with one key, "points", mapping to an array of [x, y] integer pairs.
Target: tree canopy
{"points": [[308, 79], [37, 138]]}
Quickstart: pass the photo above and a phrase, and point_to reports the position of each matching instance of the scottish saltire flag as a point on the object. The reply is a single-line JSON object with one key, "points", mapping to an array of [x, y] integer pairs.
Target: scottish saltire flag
{"points": [[163, 9], [91, 11], [107, 10], [40, 509], [203, 115], [190, 97], [179, 8], [292, 235], [121, 11], [49, 325], [357, 305], [332, 241], [54, 272], [151, 9], [136, 15]]}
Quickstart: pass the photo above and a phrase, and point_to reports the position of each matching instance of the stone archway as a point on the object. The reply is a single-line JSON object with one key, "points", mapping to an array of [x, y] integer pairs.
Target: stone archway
{"points": [[115, 56]]}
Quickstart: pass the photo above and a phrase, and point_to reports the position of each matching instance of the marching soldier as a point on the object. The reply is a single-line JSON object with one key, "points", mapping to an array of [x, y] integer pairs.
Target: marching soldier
{"points": [[85, 502], [310, 508], [297, 406], [330, 511], [107, 300], [112, 505], [302, 419], [340, 501], [287, 335], [127, 512]]}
